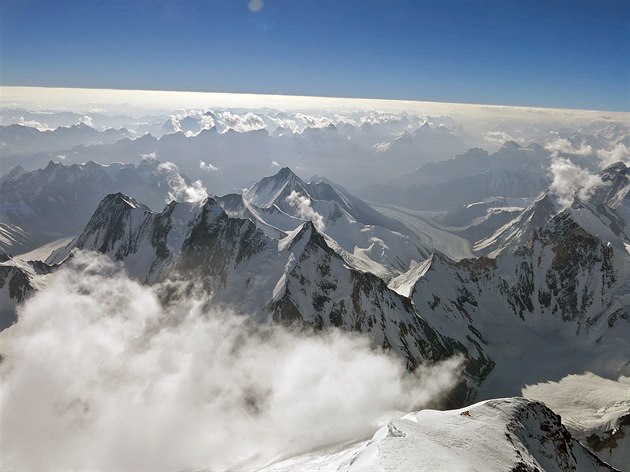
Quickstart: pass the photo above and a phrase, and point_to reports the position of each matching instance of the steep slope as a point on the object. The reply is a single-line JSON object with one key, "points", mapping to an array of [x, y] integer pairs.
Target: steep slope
{"points": [[560, 296], [44, 205], [517, 231], [595, 410], [295, 279], [496, 435], [365, 238], [18, 280]]}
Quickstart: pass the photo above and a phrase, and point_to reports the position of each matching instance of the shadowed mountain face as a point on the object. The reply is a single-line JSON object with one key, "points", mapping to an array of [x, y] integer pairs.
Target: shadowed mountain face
{"points": [[57, 201]]}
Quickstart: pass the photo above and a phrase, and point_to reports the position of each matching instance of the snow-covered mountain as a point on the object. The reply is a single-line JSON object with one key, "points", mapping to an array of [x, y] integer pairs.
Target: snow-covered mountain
{"points": [[512, 171], [555, 305], [298, 278], [518, 230], [564, 280], [47, 204], [364, 237], [496, 435], [19, 279]]}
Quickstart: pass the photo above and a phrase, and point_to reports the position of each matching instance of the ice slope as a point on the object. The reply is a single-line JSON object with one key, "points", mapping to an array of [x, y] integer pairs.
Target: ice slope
{"points": [[495, 435]]}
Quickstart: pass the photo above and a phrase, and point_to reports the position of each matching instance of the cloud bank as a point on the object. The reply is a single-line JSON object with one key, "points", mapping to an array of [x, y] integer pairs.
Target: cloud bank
{"points": [[97, 374]]}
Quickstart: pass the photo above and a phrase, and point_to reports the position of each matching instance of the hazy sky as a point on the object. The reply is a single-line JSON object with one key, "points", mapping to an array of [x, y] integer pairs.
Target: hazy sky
{"points": [[569, 54]]}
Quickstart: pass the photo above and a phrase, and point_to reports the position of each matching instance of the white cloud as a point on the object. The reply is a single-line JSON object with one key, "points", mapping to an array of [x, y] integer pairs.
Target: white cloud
{"points": [[97, 374], [179, 190], [33, 124], [207, 167], [275, 164], [619, 152], [564, 146], [240, 123], [499, 138], [86, 120], [304, 209], [570, 181]]}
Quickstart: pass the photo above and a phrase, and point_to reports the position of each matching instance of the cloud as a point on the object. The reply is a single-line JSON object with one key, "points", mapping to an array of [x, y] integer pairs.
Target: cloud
{"points": [[304, 209], [207, 167], [570, 181], [255, 5], [564, 146], [180, 190], [86, 120], [33, 124], [619, 152], [499, 138], [275, 164], [240, 123], [98, 374]]}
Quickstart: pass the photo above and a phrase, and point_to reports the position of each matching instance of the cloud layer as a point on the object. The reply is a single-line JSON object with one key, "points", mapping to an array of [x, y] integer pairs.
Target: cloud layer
{"points": [[97, 374]]}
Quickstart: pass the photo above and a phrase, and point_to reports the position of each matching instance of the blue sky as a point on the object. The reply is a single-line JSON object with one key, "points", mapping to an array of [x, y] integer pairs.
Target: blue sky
{"points": [[552, 53]]}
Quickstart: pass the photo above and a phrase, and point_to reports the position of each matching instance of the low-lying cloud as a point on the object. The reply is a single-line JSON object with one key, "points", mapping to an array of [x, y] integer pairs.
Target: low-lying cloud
{"points": [[305, 211], [97, 374]]}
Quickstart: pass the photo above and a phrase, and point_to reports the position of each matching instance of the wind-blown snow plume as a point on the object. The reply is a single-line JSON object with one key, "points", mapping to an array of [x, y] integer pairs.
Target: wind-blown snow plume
{"points": [[570, 181], [97, 374], [305, 211], [179, 189]]}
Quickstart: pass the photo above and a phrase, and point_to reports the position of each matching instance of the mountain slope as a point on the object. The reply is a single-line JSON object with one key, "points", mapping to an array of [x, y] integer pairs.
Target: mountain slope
{"points": [[496, 435], [365, 238], [564, 291], [295, 279], [47, 204]]}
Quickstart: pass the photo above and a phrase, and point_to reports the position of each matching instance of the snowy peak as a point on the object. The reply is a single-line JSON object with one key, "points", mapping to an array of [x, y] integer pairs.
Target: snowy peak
{"points": [[270, 190], [616, 188], [517, 231], [505, 434]]}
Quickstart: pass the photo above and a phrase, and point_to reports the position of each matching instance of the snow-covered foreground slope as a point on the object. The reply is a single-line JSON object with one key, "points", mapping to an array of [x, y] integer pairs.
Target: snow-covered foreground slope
{"points": [[495, 435], [595, 410]]}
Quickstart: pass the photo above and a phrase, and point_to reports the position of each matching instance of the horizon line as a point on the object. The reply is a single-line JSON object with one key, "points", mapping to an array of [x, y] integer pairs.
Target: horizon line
{"points": [[276, 95]]}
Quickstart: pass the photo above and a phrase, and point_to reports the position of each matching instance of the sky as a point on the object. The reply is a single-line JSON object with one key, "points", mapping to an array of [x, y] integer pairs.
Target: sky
{"points": [[561, 54]]}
